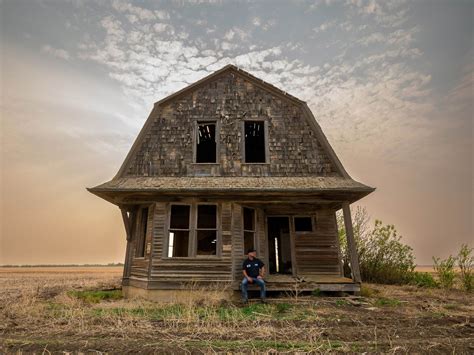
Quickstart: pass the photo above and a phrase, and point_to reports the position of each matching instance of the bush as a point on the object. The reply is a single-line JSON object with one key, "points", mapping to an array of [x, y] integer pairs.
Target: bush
{"points": [[383, 258], [466, 266], [423, 279], [445, 271]]}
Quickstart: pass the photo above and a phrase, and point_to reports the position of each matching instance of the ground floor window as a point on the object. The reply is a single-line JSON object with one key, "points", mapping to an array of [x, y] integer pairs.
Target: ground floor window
{"points": [[249, 228], [198, 238]]}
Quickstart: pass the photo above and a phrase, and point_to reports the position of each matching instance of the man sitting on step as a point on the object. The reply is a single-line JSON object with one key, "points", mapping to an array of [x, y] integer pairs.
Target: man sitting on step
{"points": [[254, 271]]}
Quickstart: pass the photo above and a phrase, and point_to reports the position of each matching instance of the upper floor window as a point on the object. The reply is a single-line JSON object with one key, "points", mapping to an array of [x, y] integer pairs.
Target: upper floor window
{"points": [[254, 141], [206, 145]]}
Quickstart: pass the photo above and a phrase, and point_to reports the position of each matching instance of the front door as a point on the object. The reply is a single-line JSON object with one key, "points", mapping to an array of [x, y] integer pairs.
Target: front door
{"points": [[279, 245]]}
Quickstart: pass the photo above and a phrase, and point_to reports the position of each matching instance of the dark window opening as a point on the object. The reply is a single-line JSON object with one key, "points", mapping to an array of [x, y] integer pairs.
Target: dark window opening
{"points": [[255, 142], [206, 143], [142, 233], [206, 216], [206, 230], [249, 229], [303, 224], [179, 217], [178, 237]]}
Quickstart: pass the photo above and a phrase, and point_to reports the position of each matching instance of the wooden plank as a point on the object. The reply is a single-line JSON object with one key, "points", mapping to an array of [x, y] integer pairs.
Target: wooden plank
{"points": [[351, 245]]}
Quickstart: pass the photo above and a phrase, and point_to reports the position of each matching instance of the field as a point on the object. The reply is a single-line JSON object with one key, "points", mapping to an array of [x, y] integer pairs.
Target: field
{"points": [[56, 310]]}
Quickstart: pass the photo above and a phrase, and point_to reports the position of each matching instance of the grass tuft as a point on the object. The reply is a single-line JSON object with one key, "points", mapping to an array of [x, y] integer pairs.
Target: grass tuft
{"points": [[96, 296]]}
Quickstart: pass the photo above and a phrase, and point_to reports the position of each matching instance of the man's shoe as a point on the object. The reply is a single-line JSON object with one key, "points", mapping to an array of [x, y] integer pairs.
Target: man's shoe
{"points": [[263, 301], [245, 302]]}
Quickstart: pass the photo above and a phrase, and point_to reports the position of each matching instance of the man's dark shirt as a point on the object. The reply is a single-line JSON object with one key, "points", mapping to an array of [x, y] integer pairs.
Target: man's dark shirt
{"points": [[252, 267]]}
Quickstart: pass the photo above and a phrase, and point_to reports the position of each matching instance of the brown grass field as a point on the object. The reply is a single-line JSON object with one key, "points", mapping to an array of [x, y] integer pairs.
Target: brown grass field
{"points": [[44, 310]]}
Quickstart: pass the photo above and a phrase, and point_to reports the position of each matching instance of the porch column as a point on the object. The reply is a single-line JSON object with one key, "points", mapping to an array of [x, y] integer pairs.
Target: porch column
{"points": [[128, 219], [351, 245]]}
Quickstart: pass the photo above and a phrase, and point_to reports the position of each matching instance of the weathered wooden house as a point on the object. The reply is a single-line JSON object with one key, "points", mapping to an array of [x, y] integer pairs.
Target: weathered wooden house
{"points": [[228, 163]]}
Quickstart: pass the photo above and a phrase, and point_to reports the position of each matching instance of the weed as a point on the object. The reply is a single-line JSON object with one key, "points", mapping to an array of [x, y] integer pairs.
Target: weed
{"points": [[445, 271], [390, 302], [368, 292], [96, 296], [423, 279]]}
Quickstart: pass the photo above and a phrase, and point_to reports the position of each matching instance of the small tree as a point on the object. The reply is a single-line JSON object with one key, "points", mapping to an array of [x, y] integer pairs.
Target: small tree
{"points": [[445, 271], [466, 265], [383, 257], [360, 225]]}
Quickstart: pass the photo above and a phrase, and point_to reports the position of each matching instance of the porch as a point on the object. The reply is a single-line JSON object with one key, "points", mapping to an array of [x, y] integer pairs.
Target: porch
{"points": [[309, 283]]}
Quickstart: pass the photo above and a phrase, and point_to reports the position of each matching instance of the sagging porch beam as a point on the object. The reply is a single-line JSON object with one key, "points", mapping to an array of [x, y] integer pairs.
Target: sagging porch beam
{"points": [[351, 244]]}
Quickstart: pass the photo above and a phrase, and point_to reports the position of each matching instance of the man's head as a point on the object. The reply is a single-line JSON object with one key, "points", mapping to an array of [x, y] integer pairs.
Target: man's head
{"points": [[252, 253]]}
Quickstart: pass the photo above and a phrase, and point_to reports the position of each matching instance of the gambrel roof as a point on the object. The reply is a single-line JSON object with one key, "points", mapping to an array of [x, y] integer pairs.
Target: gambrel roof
{"points": [[122, 182]]}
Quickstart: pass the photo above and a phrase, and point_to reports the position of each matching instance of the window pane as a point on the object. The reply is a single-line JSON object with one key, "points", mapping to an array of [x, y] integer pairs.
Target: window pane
{"points": [[248, 241], [142, 236], [179, 217], [206, 216], [249, 219], [206, 143], [206, 242], [303, 224], [178, 243], [254, 142]]}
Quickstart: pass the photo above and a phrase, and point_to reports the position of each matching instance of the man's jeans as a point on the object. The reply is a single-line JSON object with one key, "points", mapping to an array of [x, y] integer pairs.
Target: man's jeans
{"points": [[256, 281]]}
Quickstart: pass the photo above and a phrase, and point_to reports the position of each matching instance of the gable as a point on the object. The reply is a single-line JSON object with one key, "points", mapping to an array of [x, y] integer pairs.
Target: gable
{"points": [[296, 145]]}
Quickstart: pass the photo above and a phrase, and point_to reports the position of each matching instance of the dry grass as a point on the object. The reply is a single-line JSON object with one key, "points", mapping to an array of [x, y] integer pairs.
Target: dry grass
{"points": [[42, 311]]}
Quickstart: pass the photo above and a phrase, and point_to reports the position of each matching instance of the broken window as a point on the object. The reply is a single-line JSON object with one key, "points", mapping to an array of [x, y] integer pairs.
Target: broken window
{"points": [[141, 241], [178, 241], [254, 141], [249, 228], [206, 142], [303, 224], [206, 231]]}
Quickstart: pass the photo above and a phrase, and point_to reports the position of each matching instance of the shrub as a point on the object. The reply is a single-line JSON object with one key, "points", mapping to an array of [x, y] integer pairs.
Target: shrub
{"points": [[466, 266], [445, 271], [423, 279], [383, 258]]}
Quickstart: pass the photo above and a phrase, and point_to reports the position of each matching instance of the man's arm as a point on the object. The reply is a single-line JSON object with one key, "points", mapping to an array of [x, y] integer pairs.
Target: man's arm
{"points": [[249, 279], [261, 272]]}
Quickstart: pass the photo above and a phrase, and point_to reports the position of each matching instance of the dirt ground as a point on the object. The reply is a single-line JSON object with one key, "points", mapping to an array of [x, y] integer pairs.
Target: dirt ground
{"points": [[41, 312]]}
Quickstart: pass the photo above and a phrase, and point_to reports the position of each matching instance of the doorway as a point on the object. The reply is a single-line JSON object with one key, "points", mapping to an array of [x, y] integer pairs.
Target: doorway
{"points": [[279, 245]]}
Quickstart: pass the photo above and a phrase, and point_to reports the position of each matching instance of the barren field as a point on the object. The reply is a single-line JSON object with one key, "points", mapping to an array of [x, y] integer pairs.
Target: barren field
{"points": [[50, 310]]}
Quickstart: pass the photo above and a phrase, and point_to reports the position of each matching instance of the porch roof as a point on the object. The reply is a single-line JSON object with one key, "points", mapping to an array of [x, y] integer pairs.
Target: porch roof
{"points": [[232, 184]]}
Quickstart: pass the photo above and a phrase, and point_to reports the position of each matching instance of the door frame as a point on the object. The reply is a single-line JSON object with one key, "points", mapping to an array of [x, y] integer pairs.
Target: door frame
{"points": [[292, 242]]}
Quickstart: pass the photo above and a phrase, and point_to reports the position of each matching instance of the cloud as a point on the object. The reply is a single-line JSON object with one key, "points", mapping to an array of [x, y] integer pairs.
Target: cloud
{"points": [[58, 53]]}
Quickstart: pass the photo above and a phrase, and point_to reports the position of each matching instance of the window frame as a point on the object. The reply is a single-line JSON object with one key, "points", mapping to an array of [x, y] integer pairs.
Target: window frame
{"points": [[141, 236], [313, 224], [192, 243], [254, 231], [195, 135], [169, 230], [265, 138], [196, 229]]}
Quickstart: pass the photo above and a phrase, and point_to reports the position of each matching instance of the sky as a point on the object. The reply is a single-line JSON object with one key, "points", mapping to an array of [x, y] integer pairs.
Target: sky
{"points": [[390, 83]]}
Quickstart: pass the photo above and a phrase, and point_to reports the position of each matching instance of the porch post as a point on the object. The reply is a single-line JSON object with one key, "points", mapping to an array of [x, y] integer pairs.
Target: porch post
{"points": [[351, 245], [128, 219]]}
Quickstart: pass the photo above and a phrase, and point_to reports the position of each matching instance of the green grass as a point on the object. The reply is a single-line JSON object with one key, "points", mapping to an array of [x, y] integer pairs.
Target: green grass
{"points": [[390, 302], [96, 296]]}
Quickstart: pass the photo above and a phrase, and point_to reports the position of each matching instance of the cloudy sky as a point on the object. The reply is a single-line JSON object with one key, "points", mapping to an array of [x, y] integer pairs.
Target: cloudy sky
{"points": [[390, 82]]}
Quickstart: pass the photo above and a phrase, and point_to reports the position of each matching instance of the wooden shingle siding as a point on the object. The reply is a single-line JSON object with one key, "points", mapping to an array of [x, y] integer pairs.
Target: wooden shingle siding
{"points": [[317, 252], [167, 147], [237, 241]]}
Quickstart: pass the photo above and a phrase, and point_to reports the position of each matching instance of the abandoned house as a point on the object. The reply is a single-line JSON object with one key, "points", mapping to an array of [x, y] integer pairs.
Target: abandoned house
{"points": [[228, 163]]}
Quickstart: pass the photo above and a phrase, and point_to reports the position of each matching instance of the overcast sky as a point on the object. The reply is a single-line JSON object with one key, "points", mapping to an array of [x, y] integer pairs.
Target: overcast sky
{"points": [[390, 82]]}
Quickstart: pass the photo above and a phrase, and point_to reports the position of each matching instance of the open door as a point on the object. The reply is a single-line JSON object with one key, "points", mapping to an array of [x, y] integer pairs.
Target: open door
{"points": [[279, 245]]}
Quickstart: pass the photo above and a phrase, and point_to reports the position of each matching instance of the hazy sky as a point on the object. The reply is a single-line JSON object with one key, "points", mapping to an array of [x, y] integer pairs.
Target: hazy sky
{"points": [[390, 82]]}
